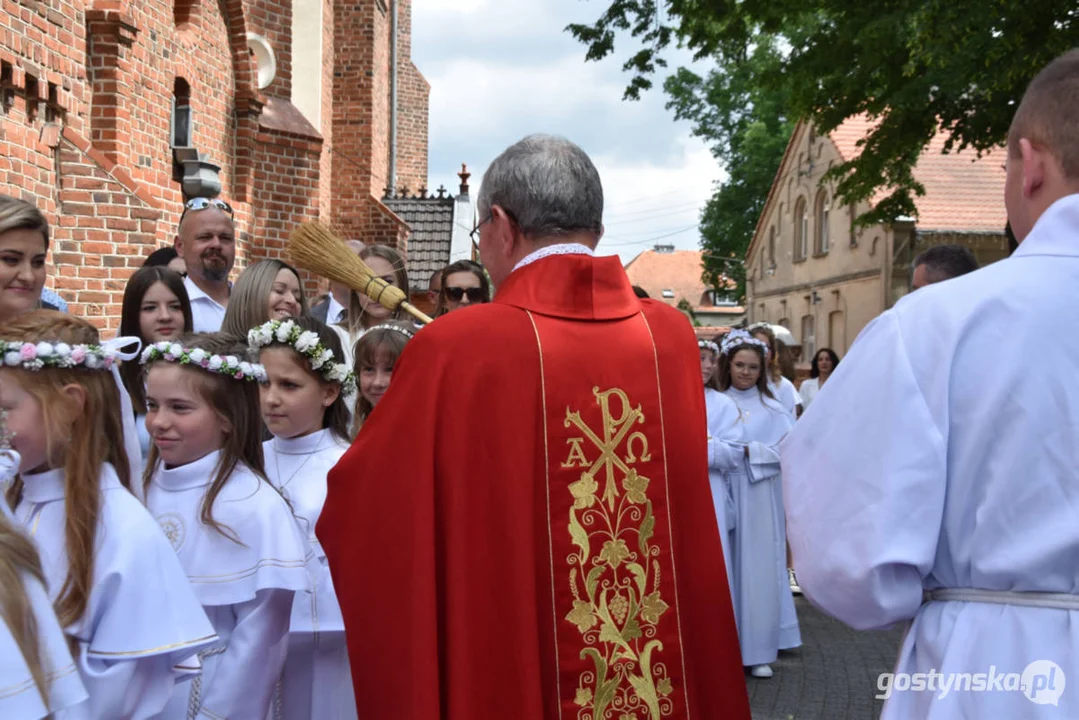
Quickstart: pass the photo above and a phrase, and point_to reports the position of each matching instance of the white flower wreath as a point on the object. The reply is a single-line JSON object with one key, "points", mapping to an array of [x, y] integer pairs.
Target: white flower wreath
{"points": [[708, 345], [35, 356], [738, 338], [227, 365], [306, 343]]}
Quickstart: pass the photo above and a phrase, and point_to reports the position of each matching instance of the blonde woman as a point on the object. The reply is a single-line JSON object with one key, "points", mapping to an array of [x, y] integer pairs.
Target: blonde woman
{"points": [[266, 290]]}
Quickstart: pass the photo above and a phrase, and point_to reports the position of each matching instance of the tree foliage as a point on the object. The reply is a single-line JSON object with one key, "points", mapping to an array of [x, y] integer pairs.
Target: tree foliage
{"points": [[748, 128], [913, 66]]}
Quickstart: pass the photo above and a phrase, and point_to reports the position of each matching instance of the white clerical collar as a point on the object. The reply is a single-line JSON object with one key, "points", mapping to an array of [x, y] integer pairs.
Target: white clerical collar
{"points": [[305, 444], [549, 250], [49, 485], [192, 475]]}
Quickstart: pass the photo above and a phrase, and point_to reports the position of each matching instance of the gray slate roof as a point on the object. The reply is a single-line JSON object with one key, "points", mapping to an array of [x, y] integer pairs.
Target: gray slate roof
{"points": [[431, 220]]}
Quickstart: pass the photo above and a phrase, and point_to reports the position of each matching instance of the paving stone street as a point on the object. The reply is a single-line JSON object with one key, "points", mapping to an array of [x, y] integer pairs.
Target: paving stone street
{"points": [[833, 676]]}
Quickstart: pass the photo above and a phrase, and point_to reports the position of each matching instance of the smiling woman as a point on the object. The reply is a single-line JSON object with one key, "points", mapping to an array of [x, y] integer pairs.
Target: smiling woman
{"points": [[24, 240], [266, 290]]}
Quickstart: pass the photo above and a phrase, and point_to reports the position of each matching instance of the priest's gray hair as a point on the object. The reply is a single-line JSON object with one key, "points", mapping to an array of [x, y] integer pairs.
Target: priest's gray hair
{"points": [[548, 185]]}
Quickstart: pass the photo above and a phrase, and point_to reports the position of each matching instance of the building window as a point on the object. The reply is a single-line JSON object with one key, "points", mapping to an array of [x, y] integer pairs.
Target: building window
{"points": [[723, 298], [668, 293], [837, 331], [182, 129], [801, 230], [822, 223], [809, 338], [772, 247]]}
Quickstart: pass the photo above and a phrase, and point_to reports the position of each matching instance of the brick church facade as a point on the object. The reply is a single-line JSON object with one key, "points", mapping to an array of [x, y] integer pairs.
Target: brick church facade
{"points": [[113, 111]]}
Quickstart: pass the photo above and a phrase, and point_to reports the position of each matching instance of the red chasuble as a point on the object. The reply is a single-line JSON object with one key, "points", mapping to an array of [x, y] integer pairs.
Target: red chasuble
{"points": [[524, 527]]}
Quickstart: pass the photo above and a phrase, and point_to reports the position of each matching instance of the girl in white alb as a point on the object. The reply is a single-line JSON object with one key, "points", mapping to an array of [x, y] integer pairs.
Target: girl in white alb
{"points": [[763, 608], [303, 405], [244, 552], [37, 675], [120, 594], [726, 443]]}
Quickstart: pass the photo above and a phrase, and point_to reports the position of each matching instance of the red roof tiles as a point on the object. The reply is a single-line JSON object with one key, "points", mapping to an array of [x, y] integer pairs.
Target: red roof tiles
{"points": [[963, 193]]}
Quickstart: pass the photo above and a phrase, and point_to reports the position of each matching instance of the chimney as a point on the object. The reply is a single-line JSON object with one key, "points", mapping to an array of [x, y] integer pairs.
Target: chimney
{"points": [[464, 175]]}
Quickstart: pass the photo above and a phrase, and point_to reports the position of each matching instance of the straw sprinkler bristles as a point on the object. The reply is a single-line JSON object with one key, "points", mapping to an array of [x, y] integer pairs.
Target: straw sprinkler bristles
{"points": [[313, 246]]}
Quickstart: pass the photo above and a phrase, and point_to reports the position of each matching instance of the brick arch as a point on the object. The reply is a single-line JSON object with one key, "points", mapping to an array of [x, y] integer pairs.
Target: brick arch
{"points": [[242, 64], [249, 101]]}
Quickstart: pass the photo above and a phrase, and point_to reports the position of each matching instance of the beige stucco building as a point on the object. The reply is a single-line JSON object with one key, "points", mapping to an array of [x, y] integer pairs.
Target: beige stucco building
{"points": [[811, 270]]}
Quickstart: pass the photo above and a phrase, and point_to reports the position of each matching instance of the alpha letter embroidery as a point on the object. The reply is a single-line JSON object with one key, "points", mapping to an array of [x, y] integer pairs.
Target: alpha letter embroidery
{"points": [[615, 572]]}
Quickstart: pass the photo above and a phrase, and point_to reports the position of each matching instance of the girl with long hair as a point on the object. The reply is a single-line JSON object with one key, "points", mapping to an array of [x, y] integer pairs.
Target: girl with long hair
{"points": [[116, 586], [376, 354], [303, 405], [265, 290], [155, 308], [243, 551], [363, 312], [763, 606], [782, 388], [36, 669]]}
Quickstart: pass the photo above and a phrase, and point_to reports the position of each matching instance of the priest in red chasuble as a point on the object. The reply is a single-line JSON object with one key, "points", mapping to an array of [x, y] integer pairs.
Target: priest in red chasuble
{"points": [[524, 528]]}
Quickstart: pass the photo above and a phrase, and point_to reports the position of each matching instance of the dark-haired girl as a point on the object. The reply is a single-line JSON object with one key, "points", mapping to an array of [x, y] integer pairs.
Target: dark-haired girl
{"points": [[303, 405]]}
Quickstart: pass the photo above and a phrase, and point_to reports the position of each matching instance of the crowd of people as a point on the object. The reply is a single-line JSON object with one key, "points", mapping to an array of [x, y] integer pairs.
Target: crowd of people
{"points": [[530, 507], [173, 497]]}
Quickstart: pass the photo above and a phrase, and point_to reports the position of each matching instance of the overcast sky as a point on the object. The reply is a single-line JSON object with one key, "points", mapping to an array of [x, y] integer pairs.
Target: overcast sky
{"points": [[501, 69]]}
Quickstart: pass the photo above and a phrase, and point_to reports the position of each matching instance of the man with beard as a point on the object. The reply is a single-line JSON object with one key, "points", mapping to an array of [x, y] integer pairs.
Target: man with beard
{"points": [[206, 240]]}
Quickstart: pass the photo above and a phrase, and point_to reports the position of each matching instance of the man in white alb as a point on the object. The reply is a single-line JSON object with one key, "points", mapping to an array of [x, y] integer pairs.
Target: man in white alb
{"points": [[938, 479], [206, 240]]}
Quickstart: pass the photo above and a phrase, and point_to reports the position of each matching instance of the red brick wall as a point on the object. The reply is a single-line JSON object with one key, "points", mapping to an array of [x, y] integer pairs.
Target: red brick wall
{"points": [[103, 234], [103, 171], [413, 93]]}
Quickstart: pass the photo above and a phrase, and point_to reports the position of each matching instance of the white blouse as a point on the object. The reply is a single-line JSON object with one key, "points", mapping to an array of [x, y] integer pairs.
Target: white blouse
{"points": [[143, 625], [245, 582], [787, 395], [298, 468], [19, 695]]}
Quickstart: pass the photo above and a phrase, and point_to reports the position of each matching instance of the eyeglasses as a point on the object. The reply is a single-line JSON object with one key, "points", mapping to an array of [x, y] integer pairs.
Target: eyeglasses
{"points": [[475, 234], [201, 203], [475, 294]]}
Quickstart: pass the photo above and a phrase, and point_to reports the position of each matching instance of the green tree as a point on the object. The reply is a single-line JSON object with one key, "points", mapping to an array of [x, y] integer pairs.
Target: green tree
{"points": [[747, 128], [913, 66]]}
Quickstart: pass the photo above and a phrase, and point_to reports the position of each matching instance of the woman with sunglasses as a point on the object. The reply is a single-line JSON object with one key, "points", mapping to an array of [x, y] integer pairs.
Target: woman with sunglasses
{"points": [[464, 283]]}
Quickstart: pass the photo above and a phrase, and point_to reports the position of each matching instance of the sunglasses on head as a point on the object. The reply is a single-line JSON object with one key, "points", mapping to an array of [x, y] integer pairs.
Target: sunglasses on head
{"points": [[201, 203], [475, 294]]}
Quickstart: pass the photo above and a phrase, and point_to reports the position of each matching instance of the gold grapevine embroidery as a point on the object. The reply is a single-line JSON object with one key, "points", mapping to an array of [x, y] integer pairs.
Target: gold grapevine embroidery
{"points": [[615, 571]]}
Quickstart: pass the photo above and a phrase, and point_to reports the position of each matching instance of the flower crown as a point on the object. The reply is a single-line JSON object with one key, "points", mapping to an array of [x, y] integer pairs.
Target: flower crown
{"points": [[395, 328], [227, 365], [306, 343], [35, 356], [708, 345], [738, 338]]}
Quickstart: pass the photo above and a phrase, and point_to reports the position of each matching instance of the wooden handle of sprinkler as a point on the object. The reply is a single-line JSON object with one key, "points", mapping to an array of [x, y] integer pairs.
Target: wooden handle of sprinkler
{"points": [[392, 297], [415, 312]]}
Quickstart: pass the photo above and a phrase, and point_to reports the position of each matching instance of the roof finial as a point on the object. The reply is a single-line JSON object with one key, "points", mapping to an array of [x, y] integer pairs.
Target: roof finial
{"points": [[464, 175]]}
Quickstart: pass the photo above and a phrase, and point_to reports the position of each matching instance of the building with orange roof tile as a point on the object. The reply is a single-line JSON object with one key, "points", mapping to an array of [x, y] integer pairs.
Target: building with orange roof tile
{"points": [[672, 276], [810, 269]]}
